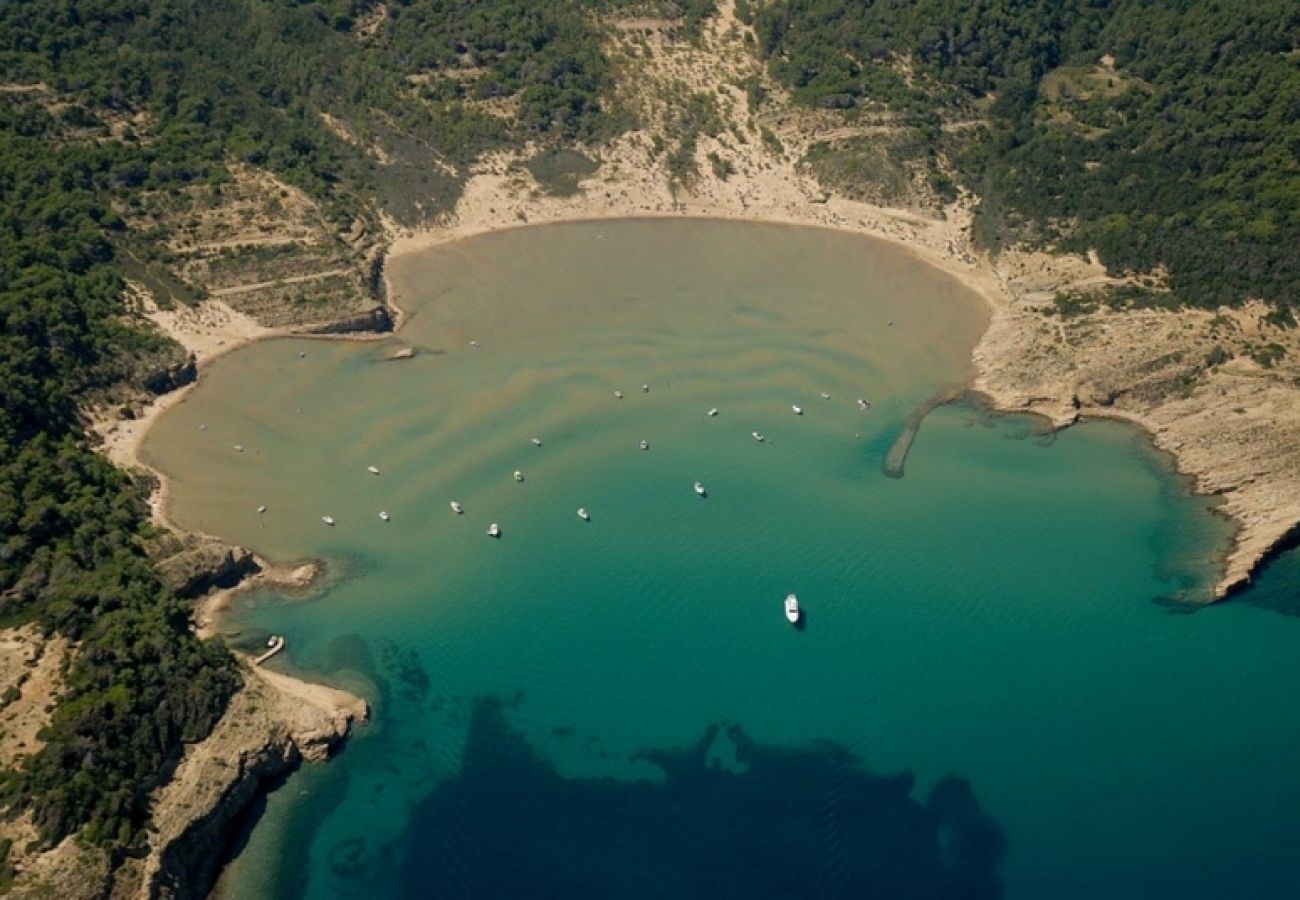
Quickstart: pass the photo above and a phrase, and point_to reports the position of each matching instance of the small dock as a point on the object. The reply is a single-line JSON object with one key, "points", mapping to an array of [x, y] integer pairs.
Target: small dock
{"points": [[276, 645]]}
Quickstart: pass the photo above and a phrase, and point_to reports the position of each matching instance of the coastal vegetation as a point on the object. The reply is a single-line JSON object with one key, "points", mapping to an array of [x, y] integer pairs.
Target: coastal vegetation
{"points": [[1164, 136], [70, 523]]}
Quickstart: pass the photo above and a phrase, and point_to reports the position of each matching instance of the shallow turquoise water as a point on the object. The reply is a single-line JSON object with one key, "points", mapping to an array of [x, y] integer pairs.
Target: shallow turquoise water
{"points": [[994, 624]]}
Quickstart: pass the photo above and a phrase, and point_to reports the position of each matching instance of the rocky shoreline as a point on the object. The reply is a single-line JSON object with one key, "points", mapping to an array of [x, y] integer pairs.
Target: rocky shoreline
{"points": [[1187, 377]]}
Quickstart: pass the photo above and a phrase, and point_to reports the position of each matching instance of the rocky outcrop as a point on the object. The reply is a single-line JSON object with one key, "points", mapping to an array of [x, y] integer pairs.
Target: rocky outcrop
{"points": [[172, 377], [377, 318], [1188, 377], [211, 564], [272, 725]]}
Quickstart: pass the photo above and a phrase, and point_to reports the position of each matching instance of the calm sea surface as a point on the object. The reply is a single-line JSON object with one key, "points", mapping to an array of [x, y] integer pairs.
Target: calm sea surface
{"points": [[992, 694]]}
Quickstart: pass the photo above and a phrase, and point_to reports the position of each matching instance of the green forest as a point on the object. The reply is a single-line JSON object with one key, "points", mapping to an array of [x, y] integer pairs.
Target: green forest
{"points": [[1164, 134]]}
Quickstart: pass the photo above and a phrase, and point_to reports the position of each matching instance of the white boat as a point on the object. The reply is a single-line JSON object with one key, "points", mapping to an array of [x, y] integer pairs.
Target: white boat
{"points": [[262, 508], [519, 476], [384, 516], [328, 520], [699, 489], [239, 448], [373, 470], [864, 405], [713, 411], [494, 530], [798, 410], [475, 344], [825, 396], [645, 388], [645, 445], [758, 436], [457, 508], [537, 442], [792, 609], [618, 395], [583, 514]]}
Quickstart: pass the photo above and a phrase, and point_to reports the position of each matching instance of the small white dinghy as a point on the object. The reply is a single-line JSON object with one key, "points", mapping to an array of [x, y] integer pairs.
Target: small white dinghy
{"points": [[262, 508], [457, 508], [618, 395], [328, 520], [864, 405], [239, 448], [792, 609], [519, 476], [825, 396], [494, 530], [373, 470], [645, 388], [583, 514], [384, 515], [699, 489], [798, 410], [758, 436], [713, 412], [537, 442], [645, 445]]}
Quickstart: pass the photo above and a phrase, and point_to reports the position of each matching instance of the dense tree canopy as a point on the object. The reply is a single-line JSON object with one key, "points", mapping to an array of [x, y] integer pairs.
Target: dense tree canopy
{"points": [[1161, 134]]}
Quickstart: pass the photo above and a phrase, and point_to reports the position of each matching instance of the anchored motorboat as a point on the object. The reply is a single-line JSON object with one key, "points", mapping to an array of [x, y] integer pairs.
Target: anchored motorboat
{"points": [[645, 445], [645, 388], [384, 516], [798, 410], [825, 396], [328, 520], [373, 470], [792, 609], [713, 411], [618, 395], [239, 448], [457, 508], [537, 442], [494, 530], [519, 476], [262, 508], [699, 489], [583, 514], [758, 436], [864, 405]]}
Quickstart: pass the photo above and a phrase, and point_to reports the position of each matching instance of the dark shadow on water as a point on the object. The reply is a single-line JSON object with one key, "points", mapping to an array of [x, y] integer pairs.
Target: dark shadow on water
{"points": [[1275, 585], [781, 822]]}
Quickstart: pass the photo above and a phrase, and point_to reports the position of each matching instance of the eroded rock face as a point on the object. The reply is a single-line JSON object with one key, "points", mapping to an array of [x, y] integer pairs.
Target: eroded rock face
{"points": [[172, 377], [376, 318], [271, 726], [209, 565]]}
